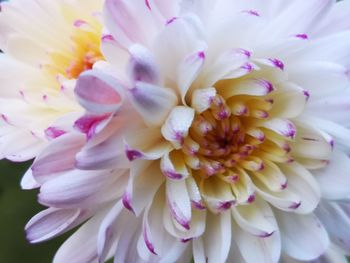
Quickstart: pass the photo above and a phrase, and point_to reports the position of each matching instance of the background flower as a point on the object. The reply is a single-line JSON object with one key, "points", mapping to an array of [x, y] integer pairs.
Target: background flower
{"points": [[46, 46]]}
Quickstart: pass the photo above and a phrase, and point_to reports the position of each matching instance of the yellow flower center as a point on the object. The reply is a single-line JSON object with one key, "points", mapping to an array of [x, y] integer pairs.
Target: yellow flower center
{"points": [[84, 50]]}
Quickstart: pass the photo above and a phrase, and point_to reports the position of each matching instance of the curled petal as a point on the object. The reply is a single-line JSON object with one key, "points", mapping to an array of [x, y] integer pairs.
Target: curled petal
{"points": [[136, 147], [281, 126], [289, 102], [144, 181], [303, 236], [334, 178], [108, 231], [194, 229], [152, 102], [271, 176], [266, 249], [129, 22], [177, 125], [301, 195], [28, 182], [59, 156], [202, 99], [179, 202], [256, 218], [189, 70], [335, 217], [155, 241], [98, 92], [173, 165], [194, 193], [231, 64], [85, 238], [217, 238], [217, 195], [83, 189], [142, 65], [252, 87], [53, 222]]}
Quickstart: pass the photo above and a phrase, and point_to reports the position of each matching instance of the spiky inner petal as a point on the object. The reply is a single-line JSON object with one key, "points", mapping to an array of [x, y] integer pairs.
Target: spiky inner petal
{"points": [[237, 138]]}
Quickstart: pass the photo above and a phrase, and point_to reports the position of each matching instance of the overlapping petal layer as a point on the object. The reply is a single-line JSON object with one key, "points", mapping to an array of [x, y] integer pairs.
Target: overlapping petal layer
{"points": [[221, 128]]}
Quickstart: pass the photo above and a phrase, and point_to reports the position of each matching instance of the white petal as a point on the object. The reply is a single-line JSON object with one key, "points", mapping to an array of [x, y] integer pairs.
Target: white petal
{"points": [[156, 244], [129, 22], [336, 219], [336, 21], [301, 195], [152, 102], [126, 247], [333, 107], [153, 148], [288, 22], [28, 182], [256, 218], [303, 236], [202, 98], [173, 165], [226, 66], [302, 183], [108, 231], [311, 143], [334, 179], [257, 249], [271, 176], [144, 181], [194, 193], [252, 87], [180, 37], [198, 250], [20, 145], [338, 54], [25, 50], [85, 239], [320, 79], [333, 255], [179, 202], [217, 195], [91, 124], [217, 237], [82, 188], [194, 229], [188, 70], [177, 125], [106, 148], [283, 127], [58, 156], [340, 134], [142, 65], [53, 222], [290, 101]]}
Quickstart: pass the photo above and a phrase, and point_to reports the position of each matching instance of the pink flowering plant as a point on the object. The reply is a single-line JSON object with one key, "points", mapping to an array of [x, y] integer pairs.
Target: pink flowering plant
{"points": [[216, 130]]}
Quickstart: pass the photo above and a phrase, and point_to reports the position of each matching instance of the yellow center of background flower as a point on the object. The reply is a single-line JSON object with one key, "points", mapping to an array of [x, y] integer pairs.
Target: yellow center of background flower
{"points": [[83, 52]]}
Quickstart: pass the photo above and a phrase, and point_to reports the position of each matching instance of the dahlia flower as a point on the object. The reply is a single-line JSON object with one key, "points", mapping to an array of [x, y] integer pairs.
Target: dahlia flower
{"points": [[46, 45], [221, 126]]}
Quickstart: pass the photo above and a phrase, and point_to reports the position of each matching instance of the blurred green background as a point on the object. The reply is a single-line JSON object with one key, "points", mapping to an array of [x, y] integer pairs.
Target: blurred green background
{"points": [[16, 208]]}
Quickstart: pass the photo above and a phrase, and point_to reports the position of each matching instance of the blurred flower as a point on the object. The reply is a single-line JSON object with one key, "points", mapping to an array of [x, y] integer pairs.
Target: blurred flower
{"points": [[225, 123], [46, 45]]}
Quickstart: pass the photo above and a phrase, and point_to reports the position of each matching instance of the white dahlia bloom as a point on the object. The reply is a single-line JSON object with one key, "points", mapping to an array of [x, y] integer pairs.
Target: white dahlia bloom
{"points": [[222, 125], [46, 45]]}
